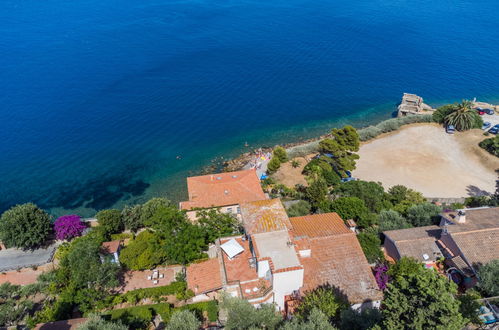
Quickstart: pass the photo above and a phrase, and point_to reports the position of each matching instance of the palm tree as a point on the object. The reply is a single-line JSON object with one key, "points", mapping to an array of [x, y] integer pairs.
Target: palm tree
{"points": [[463, 117]]}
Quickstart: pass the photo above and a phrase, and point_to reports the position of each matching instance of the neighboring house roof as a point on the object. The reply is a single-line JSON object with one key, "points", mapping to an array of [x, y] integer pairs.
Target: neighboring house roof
{"points": [[223, 189], [239, 268], [475, 219], [338, 260], [71, 324], [417, 242], [277, 246], [111, 246], [478, 247], [204, 276], [318, 225], [232, 248], [264, 216], [335, 258]]}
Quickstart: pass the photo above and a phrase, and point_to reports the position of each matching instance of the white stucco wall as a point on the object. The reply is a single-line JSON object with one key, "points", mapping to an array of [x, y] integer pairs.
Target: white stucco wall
{"points": [[285, 283]]}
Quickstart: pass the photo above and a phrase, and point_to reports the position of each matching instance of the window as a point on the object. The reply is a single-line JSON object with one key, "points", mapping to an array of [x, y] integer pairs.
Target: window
{"points": [[229, 210], [238, 210]]}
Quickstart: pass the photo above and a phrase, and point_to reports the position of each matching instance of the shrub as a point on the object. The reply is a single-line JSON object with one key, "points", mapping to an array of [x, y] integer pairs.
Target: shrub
{"points": [[95, 322], [24, 226], [326, 298], [273, 165], [392, 124], [144, 252], [491, 145], [381, 276], [425, 214], [68, 226], [280, 153], [299, 209], [295, 164], [489, 275], [391, 220], [370, 243], [183, 320], [111, 221]]}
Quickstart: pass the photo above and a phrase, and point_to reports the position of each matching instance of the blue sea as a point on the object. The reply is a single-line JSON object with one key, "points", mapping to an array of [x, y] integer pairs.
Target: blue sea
{"points": [[107, 103]]}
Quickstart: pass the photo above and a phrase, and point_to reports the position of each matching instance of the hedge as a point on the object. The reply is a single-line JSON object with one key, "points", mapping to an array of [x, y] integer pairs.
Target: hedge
{"points": [[139, 317], [390, 125], [174, 288]]}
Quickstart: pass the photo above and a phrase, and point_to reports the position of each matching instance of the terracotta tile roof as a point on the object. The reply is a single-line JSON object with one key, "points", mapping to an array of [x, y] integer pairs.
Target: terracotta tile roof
{"points": [[71, 324], [479, 218], [413, 233], [318, 225], [239, 269], [204, 276], [264, 216], [223, 189], [416, 242], [111, 246], [478, 247], [338, 260]]}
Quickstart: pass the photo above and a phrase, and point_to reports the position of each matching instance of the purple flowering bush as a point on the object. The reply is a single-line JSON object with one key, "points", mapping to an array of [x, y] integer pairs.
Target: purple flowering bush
{"points": [[381, 276], [68, 226]]}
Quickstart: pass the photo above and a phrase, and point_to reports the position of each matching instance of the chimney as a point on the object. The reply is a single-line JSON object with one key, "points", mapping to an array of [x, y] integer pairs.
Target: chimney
{"points": [[226, 192], [461, 216], [211, 177]]}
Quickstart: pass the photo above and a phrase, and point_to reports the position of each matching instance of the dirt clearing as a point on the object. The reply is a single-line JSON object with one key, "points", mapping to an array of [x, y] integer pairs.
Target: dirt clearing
{"points": [[423, 157]]}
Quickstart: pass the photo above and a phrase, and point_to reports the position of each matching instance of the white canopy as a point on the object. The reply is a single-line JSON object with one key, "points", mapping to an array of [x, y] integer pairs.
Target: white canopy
{"points": [[232, 248]]}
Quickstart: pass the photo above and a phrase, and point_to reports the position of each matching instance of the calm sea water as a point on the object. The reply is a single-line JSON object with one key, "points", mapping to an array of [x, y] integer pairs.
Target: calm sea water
{"points": [[98, 98]]}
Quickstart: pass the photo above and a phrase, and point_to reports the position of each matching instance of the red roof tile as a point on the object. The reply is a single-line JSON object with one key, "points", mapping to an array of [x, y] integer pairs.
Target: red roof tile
{"points": [[223, 189], [264, 216], [111, 247], [318, 225], [204, 276], [239, 269]]}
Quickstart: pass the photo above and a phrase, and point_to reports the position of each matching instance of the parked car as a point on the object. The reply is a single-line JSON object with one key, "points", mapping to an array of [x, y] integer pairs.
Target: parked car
{"points": [[486, 125], [489, 111], [480, 111], [348, 179], [495, 129], [450, 129]]}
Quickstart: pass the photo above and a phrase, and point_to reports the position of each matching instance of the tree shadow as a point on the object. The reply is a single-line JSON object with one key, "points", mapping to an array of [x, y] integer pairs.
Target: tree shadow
{"points": [[474, 191]]}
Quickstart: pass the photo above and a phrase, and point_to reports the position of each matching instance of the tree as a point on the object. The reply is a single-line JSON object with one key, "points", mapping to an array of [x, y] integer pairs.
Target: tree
{"points": [[326, 299], [144, 252], [363, 320], [317, 192], [342, 145], [315, 321], [371, 193], [489, 275], [68, 226], [469, 306], [299, 209], [81, 266], [399, 193], [242, 315], [421, 300], [185, 245], [442, 112], [280, 153], [111, 221], [95, 322], [151, 207], [132, 217], [183, 320], [217, 224], [463, 117], [24, 226], [425, 214], [273, 165], [353, 208], [404, 267], [391, 220], [370, 243]]}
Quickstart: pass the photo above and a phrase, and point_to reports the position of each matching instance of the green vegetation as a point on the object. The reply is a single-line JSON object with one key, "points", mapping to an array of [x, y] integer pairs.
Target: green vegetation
{"points": [[299, 209], [425, 214], [15, 303], [316, 320], [144, 252], [371, 193], [183, 320], [281, 154], [242, 315], [95, 322], [352, 208], [273, 165], [24, 226], [461, 115], [491, 145], [421, 299], [354, 320], [216, 224], [326, 299], [392, 124], [295, 164], [391, 220], [370, 243], [489, 275], [110, 221], [316, 192], [343, 145]]}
